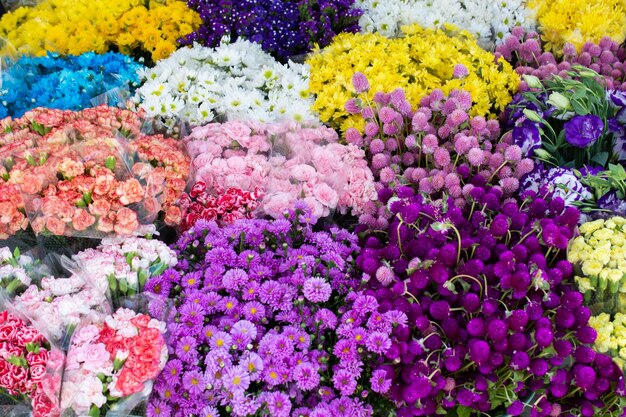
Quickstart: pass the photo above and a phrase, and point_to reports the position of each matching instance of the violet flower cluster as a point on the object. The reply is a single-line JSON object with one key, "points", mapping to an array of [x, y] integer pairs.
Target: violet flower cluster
{"points": [[284, 28], [435, 149], [498, 326], [524, 50], [269, 321]]}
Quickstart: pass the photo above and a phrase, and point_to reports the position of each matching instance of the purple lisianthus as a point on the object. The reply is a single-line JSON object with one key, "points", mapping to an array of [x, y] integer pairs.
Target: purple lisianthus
{"points": [[527, 137], [583, 131], [611, 205]]}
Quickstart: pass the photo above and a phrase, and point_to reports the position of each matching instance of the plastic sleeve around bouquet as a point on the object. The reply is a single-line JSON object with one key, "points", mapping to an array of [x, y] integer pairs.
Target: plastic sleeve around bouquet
{"points": [[31, 367], [88, 191], [18, 270], [113, 360], [124, 265]]}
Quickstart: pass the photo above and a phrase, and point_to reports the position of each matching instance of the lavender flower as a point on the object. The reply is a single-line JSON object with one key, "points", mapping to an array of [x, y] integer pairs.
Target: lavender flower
{"points": [[583, 131]]}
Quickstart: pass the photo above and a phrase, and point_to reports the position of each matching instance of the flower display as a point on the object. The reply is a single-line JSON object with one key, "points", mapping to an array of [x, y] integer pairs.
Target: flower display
{"points": [[257, 329], [110, 360], [577, 22], [222, 205], [68, 83], [18, 270], [490, 22], [57, 305], [610, 336], [234, 80], [437, 149], [419, 62], [148, 29], [600, 264], [73, 172], [124, 264], [285, 162], [524, 50], [31, 368], [284, 28], [489, 291], [573, 123]]}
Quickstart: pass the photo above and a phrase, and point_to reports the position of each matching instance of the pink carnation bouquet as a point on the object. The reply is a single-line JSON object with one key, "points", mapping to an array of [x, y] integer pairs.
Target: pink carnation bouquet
{"points": [[286, 162], [30, 368], [111, 359], [87, 173]]}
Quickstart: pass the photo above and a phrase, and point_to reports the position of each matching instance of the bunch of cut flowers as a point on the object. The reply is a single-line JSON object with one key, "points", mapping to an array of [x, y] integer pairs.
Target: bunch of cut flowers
{"points": [[284, 161], [271, 320], [498, 324], [112, 358], [89, 173]]}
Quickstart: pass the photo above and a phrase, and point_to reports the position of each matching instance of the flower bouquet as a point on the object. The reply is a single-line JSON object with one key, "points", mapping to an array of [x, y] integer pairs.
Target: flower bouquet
{"points": [[124, 264], [284, 28], [85, 177], [69, 82], [286, 162], [489, 21], [270, 321], [234, 80], [30, 367], [498, 327], [419, 62], [611, 336], [524, 50], [112, 360], [17, 270], [436, 149], [572, 127], [221, 205], [148, 30], [600, 264]]}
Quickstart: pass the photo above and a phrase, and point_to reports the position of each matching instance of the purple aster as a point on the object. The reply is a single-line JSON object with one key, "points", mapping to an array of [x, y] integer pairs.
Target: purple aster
{"points": [[278, 404], [194, 383], [326, 318], [210, 411], [316, 290], [379, 381], [158, 286], [191, 279], [306, 376], [172, 371], [254, 311], [221, 340], [158, 408], [236, 379], [233, 279], [378, 342], [346, 350], [281, 347], [186, 349], [344, 382], [191, 313], [583, 131], [253, 364]]}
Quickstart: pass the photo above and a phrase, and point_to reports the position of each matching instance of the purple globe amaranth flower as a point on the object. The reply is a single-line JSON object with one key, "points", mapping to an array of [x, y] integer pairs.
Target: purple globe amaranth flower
{"points": [[583, 131]]}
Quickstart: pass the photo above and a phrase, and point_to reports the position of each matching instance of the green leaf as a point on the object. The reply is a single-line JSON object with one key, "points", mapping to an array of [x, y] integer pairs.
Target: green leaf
{"points": [[112, 282], [579, 107], [16, 253], [94, 411], [18, 361], [601, 158], [123, 285], [462, 411]]}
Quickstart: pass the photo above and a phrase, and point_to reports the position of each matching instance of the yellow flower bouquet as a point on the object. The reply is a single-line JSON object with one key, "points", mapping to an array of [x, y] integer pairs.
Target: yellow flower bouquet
{"points": [[611, 336], [419, 62], [579, 21], [142, 28], [599, 258]]}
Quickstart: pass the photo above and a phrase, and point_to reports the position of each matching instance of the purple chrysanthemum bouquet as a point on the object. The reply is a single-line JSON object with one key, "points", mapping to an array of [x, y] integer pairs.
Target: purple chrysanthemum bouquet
{"points": [[434, 149], [575, 131], [523, 49], [284, 28], [497, 325], [270, 321]]}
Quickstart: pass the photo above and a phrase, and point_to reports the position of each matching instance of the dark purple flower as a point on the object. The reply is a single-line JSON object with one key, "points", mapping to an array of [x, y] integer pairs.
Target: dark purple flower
{"points": [[583, 131], [527, 137]]}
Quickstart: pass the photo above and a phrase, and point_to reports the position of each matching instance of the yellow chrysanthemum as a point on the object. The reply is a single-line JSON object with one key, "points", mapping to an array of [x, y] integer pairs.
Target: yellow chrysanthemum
{"points": [[579, 21], [419, 62], [78, 26]]}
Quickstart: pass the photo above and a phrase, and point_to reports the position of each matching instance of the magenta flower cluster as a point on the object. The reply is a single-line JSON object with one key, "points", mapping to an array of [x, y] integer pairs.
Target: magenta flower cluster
{"points": [[524, 51], [437, 149], [495, 319], [269, 321]]}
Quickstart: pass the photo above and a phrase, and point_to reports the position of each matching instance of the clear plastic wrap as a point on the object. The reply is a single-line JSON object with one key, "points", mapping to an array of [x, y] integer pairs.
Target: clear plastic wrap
{"points": [[18, 270], [31, 367], [124, 264], [128, 352]]}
